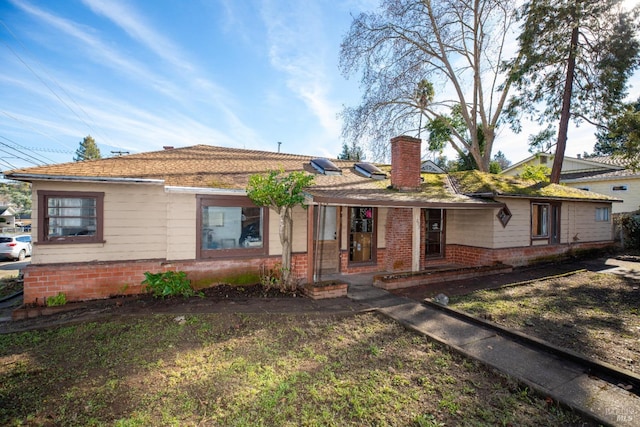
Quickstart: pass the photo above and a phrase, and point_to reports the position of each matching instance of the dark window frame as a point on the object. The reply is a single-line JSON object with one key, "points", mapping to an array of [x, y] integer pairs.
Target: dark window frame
{"points": [[547, 220], [441, 232], [236, 252], [43, 217]]}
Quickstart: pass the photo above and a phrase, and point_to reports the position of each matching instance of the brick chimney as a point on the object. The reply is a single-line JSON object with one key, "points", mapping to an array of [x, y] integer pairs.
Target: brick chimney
{"points": [[405, 163]]}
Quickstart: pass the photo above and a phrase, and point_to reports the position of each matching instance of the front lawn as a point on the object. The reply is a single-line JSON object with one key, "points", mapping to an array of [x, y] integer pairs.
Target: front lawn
{"points": [[253, 370], [595, 314]]}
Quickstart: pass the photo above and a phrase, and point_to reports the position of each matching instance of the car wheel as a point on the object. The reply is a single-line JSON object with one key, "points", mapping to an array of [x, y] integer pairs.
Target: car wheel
{"points": [[21, 255]]}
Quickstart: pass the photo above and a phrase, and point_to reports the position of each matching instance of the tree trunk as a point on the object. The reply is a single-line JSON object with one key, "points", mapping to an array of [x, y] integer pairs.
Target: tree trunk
{"points": [[286, 231], [565, 114]]}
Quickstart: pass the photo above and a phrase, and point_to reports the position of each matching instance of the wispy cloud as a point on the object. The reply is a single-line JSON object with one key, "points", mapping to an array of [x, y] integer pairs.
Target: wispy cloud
{"points": [[133, 24], [295, 35]]}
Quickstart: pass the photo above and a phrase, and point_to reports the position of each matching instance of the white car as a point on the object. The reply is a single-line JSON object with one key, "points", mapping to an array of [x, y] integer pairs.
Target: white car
{"points": [[16, 248]]}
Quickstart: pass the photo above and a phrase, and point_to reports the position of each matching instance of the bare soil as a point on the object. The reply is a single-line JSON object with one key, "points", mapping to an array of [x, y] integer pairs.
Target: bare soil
{"points": [[595, 314]]}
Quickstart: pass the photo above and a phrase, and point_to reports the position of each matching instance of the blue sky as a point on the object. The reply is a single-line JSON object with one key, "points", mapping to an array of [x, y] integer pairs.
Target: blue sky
{"points": [[140, 75]]}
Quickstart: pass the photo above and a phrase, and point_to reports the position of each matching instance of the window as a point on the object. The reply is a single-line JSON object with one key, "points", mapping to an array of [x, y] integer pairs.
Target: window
{"points": [[539, 220], [434, 233], [602, 214], [504, 215], [545, 222], [619, 188], [70, 217], [229, 226]]}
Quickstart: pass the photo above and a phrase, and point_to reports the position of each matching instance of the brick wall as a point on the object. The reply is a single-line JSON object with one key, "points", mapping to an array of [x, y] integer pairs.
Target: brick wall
{"points": [[474, 256], [405, 163], [99, 280], [399, 229]]}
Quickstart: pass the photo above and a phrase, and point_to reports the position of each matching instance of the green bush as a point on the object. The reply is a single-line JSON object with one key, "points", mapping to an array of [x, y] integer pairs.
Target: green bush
{"points": [[58, 300], [630, 225], [169, 283]]}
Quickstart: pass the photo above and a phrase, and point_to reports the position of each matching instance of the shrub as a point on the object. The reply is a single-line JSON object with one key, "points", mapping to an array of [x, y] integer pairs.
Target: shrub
{"points": [[169, 283], [58, 300], [630, 225]]}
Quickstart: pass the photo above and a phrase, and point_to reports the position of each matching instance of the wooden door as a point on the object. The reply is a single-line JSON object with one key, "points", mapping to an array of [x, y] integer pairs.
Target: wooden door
{"points": [[326, 239]]}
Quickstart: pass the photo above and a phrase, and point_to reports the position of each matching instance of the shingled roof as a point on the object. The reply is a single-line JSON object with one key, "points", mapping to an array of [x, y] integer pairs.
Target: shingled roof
{"points": [[203, 166]]}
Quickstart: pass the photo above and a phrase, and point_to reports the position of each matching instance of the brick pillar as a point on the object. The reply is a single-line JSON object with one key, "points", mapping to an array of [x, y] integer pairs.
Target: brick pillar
{"points": [[405, 163]]}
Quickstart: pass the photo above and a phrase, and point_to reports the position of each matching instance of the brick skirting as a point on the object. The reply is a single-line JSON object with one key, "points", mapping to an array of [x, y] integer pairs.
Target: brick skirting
{"points": [[517, 257], [100, 280]]}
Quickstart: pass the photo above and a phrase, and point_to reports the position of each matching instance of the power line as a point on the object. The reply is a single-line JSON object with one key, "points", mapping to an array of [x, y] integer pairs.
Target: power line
{"points": [[93, 130], [46, 159]]}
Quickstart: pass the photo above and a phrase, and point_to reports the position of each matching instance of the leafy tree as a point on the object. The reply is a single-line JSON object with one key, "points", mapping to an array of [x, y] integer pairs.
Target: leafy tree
{"points": [[538, 173], [576, 58], [621, 135], [351, 152], [408, 52], [18, 194], [501, 162], [87, 150], [281, 192]]}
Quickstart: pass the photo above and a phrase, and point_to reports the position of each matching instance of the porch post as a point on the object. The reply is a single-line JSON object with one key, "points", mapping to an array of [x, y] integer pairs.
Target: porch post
{"points": [[415, 240], [310, 246]]}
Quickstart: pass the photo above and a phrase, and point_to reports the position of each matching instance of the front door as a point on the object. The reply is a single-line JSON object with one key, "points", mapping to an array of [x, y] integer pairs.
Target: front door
{"points": [[434, 233], [326, 239]]}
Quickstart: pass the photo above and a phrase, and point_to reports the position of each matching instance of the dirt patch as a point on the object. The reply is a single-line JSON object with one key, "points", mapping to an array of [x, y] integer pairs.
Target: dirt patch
{"points": [[595, 314]]}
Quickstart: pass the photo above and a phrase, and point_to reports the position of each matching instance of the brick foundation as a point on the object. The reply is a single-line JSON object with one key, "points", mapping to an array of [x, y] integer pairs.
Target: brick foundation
{"points": [[526, 255], [99, 280]]}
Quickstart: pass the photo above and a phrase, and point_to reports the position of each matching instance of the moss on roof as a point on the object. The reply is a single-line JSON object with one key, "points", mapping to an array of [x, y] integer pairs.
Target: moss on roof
{"points": [[476, 182]]}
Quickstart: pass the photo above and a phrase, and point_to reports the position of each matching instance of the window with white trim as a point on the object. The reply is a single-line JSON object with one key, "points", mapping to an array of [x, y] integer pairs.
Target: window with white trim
{"points": [[603, 214]]}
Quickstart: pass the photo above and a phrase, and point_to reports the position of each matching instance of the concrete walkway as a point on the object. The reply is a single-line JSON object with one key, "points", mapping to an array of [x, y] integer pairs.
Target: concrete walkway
{"points": [[561, 380]]}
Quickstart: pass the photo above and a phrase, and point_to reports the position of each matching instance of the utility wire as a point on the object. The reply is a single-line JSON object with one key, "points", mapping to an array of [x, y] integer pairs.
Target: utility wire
{"points": [[54, 80], [34, 156]]}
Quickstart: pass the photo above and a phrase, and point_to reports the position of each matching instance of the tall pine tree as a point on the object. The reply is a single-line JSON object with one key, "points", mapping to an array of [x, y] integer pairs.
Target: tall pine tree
{"points": [[88, 150], [577, 58]]}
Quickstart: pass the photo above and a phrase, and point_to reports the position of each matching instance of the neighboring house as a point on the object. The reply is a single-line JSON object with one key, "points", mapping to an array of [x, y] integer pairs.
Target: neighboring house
{"points": [[7, 218], [99, 225], [606, 175]]}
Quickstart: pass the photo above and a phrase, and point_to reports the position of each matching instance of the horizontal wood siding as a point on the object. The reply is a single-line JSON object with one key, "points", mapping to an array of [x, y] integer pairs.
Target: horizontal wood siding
{"points": [[135, 225], [181, 226], [518, 230], [631, 197], [587, 229], [470, 227], [299, 243]]}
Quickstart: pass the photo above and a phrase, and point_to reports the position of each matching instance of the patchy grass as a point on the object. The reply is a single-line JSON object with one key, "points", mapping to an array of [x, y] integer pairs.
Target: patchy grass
{"points": [[9, 286], [258, 370], [594, 314]]}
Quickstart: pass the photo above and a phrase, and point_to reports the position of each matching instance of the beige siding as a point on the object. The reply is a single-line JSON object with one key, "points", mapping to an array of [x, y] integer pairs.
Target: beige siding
{"points": [[470, 227], [630, 197], [587, 229], [181, 226], [382, 226], [518, 230], [299, 243], [135, 225]]}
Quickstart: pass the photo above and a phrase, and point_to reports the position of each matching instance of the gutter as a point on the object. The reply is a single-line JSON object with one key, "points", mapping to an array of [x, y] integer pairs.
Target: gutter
{"points": [[38, 177]]}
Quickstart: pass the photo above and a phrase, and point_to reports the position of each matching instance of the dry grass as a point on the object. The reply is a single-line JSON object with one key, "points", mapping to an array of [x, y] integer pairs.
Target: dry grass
{"points": [[595, 314], [253, 370]]}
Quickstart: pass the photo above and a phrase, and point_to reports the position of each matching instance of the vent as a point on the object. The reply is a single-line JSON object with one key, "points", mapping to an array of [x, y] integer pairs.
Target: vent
{"points": [[369, 170], [325, 166]]}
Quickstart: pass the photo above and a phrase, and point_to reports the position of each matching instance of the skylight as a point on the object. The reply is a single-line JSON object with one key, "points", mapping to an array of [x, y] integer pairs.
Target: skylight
{"points": [[369, 170], [325, 166]]}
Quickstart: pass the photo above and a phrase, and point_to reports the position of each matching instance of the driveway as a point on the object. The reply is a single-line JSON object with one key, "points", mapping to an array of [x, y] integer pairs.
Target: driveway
{"points": [[12, 268]]}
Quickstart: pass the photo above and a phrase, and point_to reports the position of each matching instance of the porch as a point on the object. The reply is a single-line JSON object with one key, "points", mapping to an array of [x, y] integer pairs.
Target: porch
{"points": [[432, 275]]}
